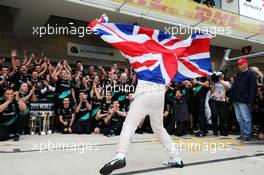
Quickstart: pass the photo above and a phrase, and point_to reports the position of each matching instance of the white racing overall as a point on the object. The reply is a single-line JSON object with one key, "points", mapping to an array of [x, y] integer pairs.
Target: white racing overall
{"points": [[148, 99]]}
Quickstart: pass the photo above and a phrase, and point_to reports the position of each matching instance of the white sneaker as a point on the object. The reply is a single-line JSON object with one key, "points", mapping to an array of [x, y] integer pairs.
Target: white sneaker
{"points": [[174, 162]]}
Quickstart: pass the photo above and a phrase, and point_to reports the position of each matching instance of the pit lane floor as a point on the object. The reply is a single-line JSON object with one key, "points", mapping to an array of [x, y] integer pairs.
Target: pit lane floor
{"points": [[58, 154]]}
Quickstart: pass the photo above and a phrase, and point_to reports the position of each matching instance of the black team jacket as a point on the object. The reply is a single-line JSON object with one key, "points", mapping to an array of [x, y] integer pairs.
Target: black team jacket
{"points": [[244, 88]]}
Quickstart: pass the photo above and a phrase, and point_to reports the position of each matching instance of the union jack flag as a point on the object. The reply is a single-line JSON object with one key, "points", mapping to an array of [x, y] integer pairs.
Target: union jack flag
{"points": [[155, 55]]}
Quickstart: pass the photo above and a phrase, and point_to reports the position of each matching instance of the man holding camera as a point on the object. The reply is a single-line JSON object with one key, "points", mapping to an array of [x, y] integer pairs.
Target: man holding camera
{"points": [[244, 95]]}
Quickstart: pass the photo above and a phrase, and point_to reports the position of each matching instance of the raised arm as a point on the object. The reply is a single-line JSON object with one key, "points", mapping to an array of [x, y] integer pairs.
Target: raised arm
{"points": [[78, 108], [44, 70], [97, 93], [13, 58], [67, 66], [29, 95], [99, 115], [56, 72]]}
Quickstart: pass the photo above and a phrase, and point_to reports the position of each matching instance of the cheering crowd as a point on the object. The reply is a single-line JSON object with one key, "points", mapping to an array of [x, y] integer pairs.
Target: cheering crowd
{"points": [[96, 99]]}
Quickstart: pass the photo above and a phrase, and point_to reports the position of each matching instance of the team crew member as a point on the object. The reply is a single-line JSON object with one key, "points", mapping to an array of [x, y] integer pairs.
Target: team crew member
{"points": [[201, 87], [122, 89], [84, 124], [180, 113], [103, 112], [129, 100], [63, 83], [96, 96], [66, 116], [9, 111], [21, 76], [5, 81], [26, 96], [115, 119], [48, 90]]}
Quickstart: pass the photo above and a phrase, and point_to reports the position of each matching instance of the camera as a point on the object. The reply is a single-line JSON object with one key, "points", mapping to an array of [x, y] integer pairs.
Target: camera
{"points": [[215, 77]]}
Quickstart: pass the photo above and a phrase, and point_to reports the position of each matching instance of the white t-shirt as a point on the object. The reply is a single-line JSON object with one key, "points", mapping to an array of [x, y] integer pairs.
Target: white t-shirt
{"points": [[219, 92]]}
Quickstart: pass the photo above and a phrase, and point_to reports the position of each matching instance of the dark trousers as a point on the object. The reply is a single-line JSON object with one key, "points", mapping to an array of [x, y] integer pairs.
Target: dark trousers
{"points": [[218, 112], [199, 112], [4, 133], [182, 127], [180, 130], [232, 124], [114, 129], [23, 127], [169, 124], [14, 128], [84, 127]]}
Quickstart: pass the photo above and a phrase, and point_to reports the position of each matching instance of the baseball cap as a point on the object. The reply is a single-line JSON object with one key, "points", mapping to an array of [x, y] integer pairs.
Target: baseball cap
{"points": [[242, 61]]}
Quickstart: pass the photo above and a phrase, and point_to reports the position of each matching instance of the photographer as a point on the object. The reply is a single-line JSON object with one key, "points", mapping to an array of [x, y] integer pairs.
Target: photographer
{"points": [[217, 103]]}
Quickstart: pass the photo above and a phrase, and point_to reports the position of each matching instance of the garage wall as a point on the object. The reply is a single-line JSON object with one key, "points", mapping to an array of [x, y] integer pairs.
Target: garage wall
{"points": [[55, 47]]}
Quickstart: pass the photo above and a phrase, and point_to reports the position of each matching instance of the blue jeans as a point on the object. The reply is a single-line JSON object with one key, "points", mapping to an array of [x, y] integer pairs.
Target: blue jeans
{"points": [[244, 118]]}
